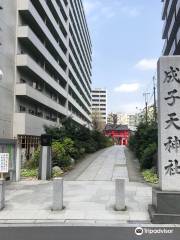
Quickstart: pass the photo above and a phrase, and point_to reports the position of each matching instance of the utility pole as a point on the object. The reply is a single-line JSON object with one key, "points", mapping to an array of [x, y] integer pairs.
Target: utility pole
{"points": [[154, 92], [146, 105]]}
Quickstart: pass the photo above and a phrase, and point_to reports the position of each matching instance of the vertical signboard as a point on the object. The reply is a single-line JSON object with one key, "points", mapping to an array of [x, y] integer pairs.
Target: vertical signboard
{"points": [[169, 123], [4, 162]]}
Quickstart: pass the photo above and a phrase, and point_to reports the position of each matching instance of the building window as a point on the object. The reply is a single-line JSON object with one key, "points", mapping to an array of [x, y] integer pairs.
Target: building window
{"points": [[31, 111], [22, 108], [22, 80]]}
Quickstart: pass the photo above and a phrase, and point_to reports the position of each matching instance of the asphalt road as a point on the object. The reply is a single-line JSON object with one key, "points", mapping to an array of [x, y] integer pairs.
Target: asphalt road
{"points": [[79, 233]]}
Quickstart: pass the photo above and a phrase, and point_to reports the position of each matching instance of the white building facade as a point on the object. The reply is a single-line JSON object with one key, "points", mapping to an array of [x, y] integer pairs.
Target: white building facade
{"points": [[45, 57], [99, 103], [171, 28]]}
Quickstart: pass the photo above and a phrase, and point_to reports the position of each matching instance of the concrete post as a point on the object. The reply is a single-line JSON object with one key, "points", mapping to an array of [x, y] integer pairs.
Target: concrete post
{"points": [[45, 165], [18, 163], [120, 194], [2, 194], [57, 194]]}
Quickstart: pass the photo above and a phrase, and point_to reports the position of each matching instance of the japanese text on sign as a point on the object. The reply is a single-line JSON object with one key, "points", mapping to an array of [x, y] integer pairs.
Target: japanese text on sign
{"points": [[172, 121], [4, 162]]}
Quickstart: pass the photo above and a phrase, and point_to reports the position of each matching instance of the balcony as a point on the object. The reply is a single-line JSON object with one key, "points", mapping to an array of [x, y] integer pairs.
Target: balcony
{"points": [[30, 66], [77, 118], [85, 79], [165, 6], [56, 7], [164, 47], [173, 48], [168, 19], [30, 39], [171, 27], [82, 33], [78, 107], [178, 11], [79, 95], [28, 11], [29, 92], [26, 124], [79, 83]]}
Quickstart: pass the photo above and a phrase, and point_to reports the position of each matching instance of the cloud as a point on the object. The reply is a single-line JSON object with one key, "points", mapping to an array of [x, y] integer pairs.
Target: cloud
{"points": [[103, 9], [147, 64], [132, 87], [90, 6]]}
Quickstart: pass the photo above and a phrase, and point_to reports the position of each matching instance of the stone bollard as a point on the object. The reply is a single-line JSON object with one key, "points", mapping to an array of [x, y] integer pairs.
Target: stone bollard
{"points": [[120, 195], [2, 194], [57, 194]]}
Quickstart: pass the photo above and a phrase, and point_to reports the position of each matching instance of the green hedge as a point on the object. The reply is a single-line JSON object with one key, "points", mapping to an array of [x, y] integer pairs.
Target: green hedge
{"points": [[144, 144], [71, 141]]}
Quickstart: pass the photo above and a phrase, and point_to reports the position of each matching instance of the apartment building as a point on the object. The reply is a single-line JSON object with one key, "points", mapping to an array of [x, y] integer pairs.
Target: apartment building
{"points": [[99, 103], [7, 67], [45, 57], [171, 28]]}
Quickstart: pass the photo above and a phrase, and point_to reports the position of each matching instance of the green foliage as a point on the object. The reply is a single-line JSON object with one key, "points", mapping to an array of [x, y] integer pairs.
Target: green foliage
{"points": [[34, 162], [147, 159], [84, 139], [150, 176], [61, 152], [29, 172], [144, 144], [70, 141]]}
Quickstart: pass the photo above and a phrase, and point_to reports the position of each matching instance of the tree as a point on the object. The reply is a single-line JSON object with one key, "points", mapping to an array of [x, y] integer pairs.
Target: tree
{"points": [[97, 121], [113, 118]]}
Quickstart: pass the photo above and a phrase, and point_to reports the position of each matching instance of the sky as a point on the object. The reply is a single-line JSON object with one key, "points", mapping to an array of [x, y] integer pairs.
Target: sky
{"points": [[127, 42]]}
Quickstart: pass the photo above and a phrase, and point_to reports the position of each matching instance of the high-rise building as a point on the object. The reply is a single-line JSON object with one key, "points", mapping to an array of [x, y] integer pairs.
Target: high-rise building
{"points": [[171, 29], [45, 57], [99, 103]]}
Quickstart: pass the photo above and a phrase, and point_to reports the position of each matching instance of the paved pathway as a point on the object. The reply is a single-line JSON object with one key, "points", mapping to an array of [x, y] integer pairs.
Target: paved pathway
{"points": [[107, 166], [90, 198]]}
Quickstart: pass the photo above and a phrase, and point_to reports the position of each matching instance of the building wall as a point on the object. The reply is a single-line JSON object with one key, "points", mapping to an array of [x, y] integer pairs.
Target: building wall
{"points": [[171, 28], [99, 103], [52, 76], [7, 66]]}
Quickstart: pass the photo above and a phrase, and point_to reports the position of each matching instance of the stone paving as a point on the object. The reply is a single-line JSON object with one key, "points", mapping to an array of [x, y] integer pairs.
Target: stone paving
{"points": [[109, 165], [89, 199]]}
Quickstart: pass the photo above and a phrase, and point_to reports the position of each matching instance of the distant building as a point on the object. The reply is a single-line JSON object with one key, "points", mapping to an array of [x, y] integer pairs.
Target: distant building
{"points": [[171, 28], [99, 103], [123, 119], [119, 133]]}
